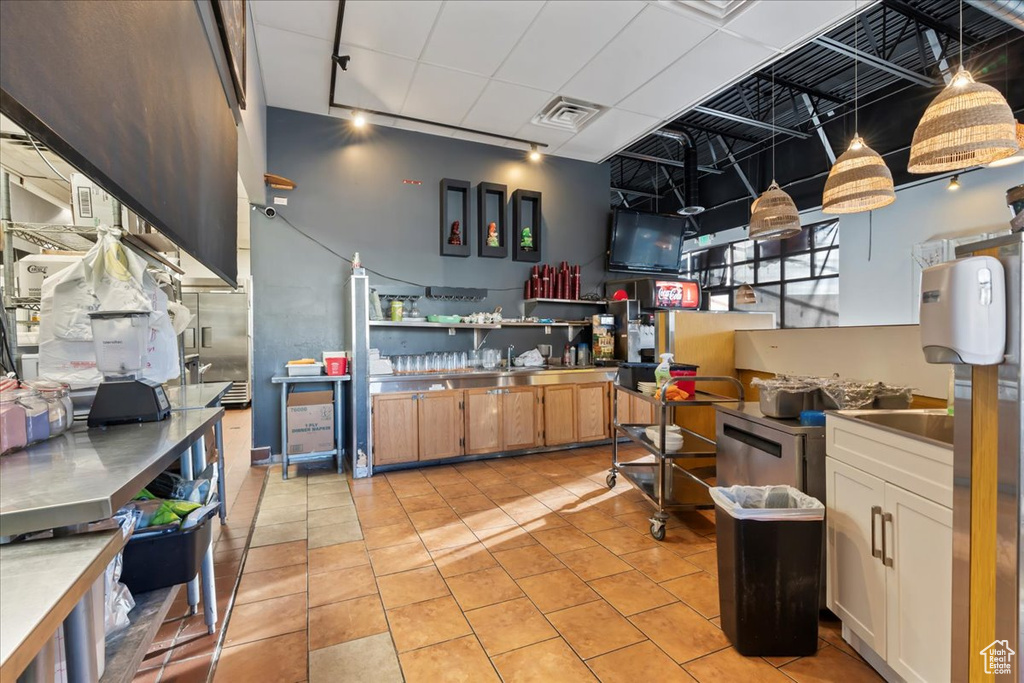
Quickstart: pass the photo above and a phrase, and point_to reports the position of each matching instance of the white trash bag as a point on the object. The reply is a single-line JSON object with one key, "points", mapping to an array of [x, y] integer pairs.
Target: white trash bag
{"points": [[767, 503], [108, 278]]}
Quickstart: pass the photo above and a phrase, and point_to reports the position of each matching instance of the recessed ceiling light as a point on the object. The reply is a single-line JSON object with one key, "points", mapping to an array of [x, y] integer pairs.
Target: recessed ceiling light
{"points": [[358, 120]]}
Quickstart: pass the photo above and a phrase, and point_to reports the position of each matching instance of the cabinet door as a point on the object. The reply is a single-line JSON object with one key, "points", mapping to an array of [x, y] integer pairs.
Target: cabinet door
{"points": [[623, 407], [856, 578], [919, 542], [592, 411], [441, 425], [483, 420], [642, 411], [559, 415], [395, 429], [520, 416]]}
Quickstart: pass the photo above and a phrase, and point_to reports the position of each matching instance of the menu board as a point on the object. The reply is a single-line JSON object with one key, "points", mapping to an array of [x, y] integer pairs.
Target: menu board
{"points": [[684, 294]]}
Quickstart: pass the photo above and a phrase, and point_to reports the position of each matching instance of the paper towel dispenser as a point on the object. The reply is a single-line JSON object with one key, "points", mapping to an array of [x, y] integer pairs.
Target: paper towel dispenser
{"points": [[963, 312]]}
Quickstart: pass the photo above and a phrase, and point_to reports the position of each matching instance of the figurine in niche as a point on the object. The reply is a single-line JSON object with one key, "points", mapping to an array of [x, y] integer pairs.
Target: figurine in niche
{"points": [[492, 235], [526, 239], [455, 237]]}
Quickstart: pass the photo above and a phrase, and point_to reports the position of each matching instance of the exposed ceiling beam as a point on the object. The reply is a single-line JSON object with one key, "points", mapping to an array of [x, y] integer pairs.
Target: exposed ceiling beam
{"points": [[715, 131], [638, 193], [876, 62], [666, 162], [829, 152], [807, 90], [750, 122], [735, 165], [927, 20]]}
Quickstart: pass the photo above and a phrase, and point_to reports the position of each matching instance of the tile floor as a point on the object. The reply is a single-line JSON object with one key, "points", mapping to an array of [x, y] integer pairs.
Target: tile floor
{"points": [[519, 569]]}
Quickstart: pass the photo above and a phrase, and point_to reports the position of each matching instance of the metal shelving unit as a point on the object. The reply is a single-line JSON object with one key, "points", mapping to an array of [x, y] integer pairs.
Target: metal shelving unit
{"points": [[669, 480]]}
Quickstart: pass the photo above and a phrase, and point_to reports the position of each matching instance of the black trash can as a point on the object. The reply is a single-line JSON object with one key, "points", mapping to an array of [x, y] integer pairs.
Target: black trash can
{"points": [[769, 568]]}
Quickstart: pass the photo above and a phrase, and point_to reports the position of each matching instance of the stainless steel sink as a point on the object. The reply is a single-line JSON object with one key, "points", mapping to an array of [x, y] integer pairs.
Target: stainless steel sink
{"points": [[927, 424]]}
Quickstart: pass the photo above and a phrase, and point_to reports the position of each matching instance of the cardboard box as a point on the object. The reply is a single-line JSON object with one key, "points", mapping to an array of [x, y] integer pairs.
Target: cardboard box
{"points": [[32, 269], [310, 422]]}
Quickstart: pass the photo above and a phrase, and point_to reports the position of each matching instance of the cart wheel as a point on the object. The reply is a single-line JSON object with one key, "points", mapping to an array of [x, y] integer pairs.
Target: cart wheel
{"points": [[610, 480], [658, 531]]}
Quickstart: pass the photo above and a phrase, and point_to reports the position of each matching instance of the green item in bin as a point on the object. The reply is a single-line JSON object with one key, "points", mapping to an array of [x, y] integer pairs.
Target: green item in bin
{"points": [[144, 494], [171, 511]]}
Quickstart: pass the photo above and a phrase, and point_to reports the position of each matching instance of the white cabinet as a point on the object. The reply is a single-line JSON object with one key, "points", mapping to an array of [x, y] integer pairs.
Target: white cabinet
{"points": [[890, 550]]}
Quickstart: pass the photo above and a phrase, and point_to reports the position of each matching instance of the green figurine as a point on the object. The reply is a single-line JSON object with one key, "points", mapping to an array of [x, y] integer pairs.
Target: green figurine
{"points": [[526, 240]]}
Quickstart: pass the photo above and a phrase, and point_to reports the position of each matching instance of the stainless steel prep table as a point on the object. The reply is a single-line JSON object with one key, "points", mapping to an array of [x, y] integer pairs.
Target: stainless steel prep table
{"points": [[206, 395], [338, 452], [41, 586]]}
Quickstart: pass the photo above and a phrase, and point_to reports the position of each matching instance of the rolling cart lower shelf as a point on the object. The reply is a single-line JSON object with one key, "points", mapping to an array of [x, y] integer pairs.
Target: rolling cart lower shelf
{"points": [[670, 480]]}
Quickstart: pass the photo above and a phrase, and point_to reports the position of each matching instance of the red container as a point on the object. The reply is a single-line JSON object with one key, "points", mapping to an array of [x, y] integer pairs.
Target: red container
{"points": [[688, 387], [336, 366]]}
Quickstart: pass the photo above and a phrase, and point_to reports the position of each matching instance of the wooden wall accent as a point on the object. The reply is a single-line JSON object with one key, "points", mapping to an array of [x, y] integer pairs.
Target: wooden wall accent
{"points": [[708, 340], [984, 494]]}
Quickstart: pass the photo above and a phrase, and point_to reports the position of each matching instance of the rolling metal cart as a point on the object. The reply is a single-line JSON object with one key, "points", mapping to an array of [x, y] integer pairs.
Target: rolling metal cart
{"points": [[670, 480]]}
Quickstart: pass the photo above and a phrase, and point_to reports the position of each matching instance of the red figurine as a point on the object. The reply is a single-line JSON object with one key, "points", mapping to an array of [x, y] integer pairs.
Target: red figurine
{"points": [[455, 237]]}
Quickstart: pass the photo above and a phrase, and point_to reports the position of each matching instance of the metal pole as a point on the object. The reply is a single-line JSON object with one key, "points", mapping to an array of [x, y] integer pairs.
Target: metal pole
{"points": [[10, 311], [79, 645]]}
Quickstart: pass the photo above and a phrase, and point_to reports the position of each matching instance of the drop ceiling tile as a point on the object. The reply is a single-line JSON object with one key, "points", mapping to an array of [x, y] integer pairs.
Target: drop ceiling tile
{"points": [[296, 69], [505, 108], [477, 36], [482, 139], [609, 132], [564, 37], [442, 95], [374, 80], [317, 18], [651, 42], [706, 69], [423, 128], [398, 27], [782, 24]]}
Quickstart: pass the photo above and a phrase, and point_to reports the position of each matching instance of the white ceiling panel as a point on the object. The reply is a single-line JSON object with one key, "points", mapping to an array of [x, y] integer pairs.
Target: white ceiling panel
{"points": [[782, 24], [607, 133], [477, 36], [374, 80], [564, 37], [317, 18], [428, 128], [651, 42], [503, 107], [399, 27], [296, 69], [442, 95], [552, 137], [710, 66]]}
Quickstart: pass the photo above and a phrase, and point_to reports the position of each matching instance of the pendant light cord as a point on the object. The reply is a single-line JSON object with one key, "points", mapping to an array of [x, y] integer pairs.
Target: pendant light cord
{"points": [[856, 85], [961, 35], [773, 122]]}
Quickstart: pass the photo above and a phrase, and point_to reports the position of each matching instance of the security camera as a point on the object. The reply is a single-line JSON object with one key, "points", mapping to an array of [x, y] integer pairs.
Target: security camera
{"points": [[269, 211]]}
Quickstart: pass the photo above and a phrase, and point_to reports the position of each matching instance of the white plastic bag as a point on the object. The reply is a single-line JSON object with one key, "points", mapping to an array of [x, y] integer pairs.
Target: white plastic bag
{"points": [[748, 502], [108, 278]]}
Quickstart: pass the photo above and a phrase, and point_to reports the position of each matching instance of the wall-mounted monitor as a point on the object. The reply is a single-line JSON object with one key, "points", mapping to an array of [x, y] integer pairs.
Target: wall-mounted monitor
{"points": [[645, 242]]}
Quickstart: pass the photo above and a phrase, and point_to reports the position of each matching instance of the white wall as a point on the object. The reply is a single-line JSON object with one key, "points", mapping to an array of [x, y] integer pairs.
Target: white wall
{"points": [[882, 289]]}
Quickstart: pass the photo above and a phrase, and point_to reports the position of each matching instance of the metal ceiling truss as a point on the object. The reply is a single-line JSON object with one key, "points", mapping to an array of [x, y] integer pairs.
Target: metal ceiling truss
{"points": [[754, 123], [875, 61]]}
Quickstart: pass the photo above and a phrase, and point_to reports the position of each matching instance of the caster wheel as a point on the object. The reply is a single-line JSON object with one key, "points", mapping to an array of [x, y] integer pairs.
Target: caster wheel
{"points": [[610, 480], [658, 532]]}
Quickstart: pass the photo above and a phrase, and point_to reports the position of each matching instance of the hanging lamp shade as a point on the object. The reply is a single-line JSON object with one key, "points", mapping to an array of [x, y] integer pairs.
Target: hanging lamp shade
{"points": [[1020, 135], [774, 215], [859, 181], [968, 124]]}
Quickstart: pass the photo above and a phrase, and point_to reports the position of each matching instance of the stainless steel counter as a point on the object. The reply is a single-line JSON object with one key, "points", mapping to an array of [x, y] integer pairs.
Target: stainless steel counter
{"points": [[40, 584], [188, 396], [87, 474], [933, 426], [752, 410], [386, 384]]}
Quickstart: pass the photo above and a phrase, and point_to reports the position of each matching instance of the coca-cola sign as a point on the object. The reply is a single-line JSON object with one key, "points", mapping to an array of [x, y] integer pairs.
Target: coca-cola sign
{"points": [[677, 294]]}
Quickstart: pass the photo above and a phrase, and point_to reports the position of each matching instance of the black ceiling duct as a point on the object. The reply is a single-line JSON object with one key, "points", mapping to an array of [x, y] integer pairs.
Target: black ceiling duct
{"points": [[691, 204]]}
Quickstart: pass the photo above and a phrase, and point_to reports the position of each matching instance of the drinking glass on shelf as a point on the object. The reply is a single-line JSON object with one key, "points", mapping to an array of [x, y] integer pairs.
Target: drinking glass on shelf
{"points": [[449, 363], [400, 367], [463, 360], [420, 365]]}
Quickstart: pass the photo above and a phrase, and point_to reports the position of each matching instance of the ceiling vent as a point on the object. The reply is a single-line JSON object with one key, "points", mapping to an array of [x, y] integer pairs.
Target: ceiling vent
{"points": [[567, 114], [716, 12]]}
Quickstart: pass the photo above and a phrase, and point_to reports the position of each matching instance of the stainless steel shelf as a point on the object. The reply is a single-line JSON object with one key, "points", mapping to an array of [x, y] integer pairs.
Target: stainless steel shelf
{"points": [[579, 302], [453, 326]]}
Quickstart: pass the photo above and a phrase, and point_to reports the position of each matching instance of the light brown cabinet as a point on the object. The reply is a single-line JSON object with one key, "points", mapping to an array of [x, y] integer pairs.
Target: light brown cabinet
{"points": [[633, 410], [395, 429], [591, 411], [521, 418], [559, 414], [440, 424], [484, 420]]}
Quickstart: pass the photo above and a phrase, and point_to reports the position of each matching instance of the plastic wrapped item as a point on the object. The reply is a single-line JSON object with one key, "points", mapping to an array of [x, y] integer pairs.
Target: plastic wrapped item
{"points": [[198, 490], [784, 397], [117, 598], [893, 397], [842, 394]]}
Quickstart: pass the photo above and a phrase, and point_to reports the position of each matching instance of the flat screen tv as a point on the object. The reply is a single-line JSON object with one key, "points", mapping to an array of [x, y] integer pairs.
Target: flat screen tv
{"points": [[645, 242]]}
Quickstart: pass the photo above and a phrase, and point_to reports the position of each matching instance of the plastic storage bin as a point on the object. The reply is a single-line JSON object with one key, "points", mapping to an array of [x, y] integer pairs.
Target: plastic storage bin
{"points": [[769, 568], [630, 374], [155, 562]]}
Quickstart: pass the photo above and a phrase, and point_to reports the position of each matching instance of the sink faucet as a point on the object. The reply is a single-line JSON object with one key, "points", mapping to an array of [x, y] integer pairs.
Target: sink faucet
{"points": [[508, 355]]}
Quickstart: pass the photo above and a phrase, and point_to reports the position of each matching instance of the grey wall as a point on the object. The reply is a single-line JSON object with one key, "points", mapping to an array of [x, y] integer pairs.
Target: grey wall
{"points": [[351, 197]]}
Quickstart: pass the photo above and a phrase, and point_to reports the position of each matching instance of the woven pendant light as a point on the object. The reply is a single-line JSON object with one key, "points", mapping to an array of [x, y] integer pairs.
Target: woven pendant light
{"points": [[859, 181], [968, 124], [775, 216]]}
